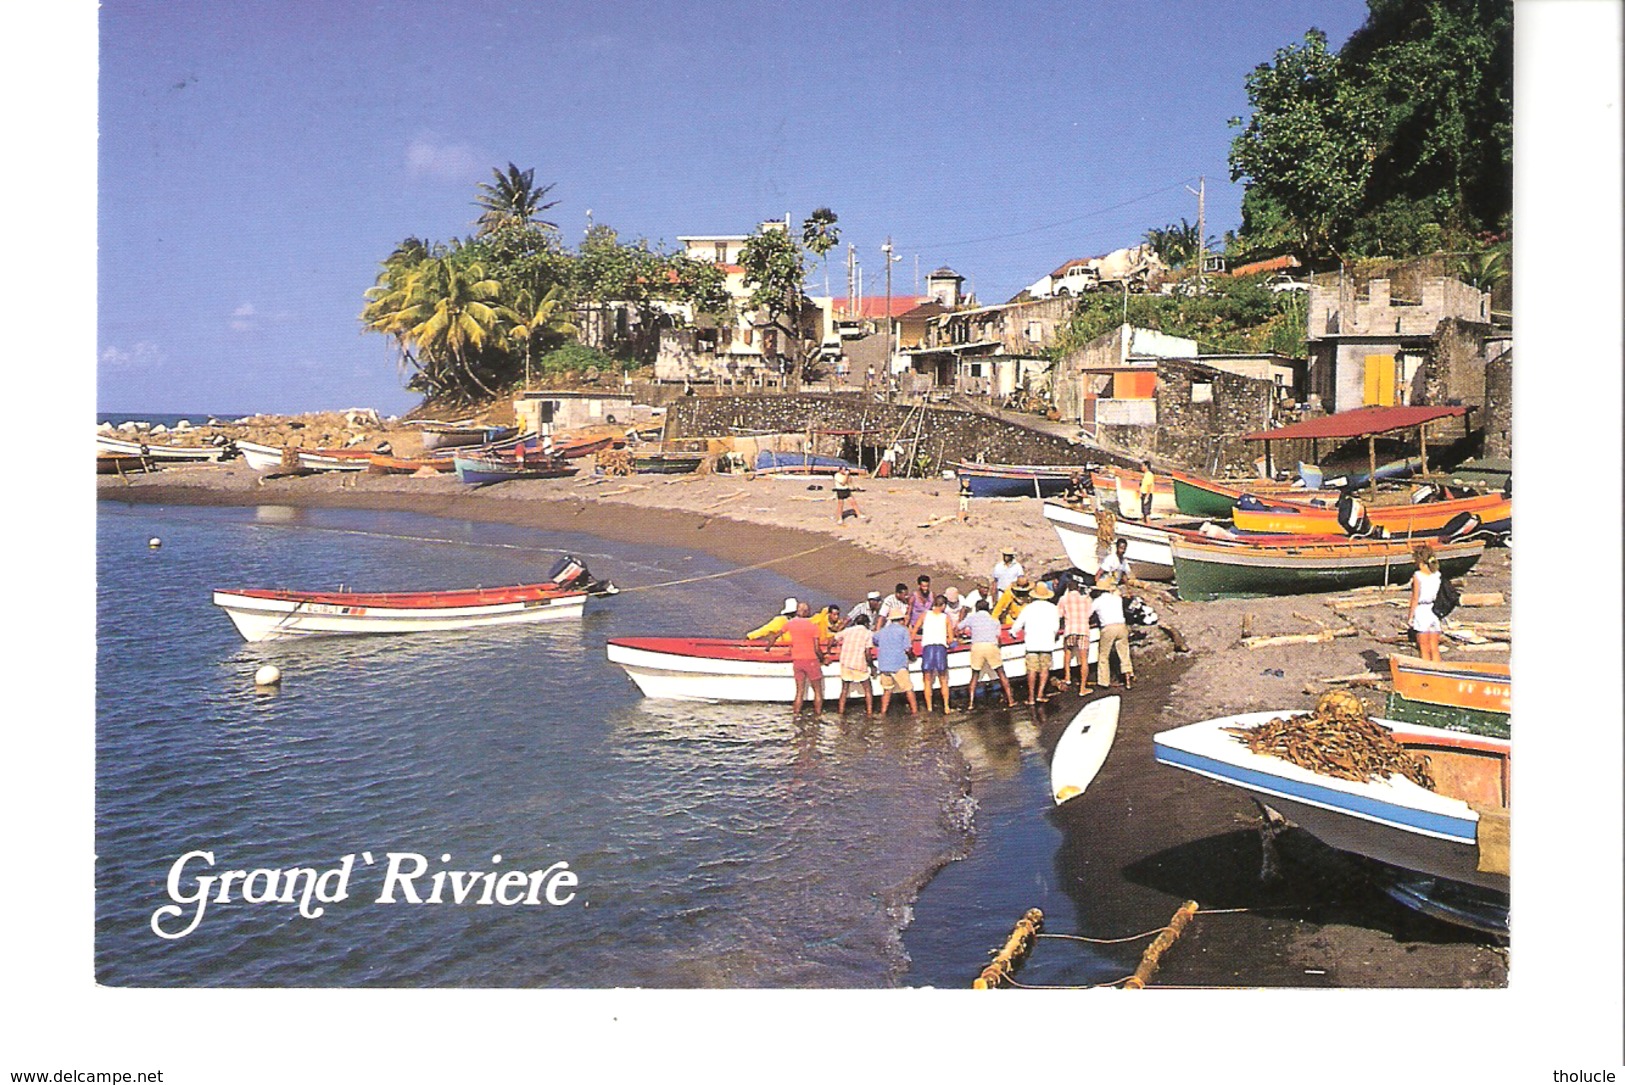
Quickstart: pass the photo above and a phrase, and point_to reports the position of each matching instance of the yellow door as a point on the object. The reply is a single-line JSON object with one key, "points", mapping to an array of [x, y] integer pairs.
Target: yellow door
{"points": [[1380, 385]]}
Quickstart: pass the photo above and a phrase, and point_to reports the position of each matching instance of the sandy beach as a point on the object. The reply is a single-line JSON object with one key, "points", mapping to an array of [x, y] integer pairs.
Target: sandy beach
{"points": [[1158, 836]]}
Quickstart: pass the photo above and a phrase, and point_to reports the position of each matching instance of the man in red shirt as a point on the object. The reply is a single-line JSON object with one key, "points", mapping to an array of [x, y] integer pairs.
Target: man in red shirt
{"points": [[807, 647]]}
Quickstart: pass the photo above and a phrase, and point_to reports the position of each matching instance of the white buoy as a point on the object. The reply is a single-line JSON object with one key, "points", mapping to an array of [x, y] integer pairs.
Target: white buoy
{"points": [[268, 675], [155, 542]]}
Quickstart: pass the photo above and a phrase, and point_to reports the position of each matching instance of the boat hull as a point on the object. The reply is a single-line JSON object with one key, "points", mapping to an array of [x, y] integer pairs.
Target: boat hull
{"points": [[1471, 697], [1240, 571], [1149, 552], [1199, 497], [678, 669], [1014, 480], [668, 463], [480, 471], [259, 618], [267, 458], [1392, 821], [159, 453], [1427, 519]]}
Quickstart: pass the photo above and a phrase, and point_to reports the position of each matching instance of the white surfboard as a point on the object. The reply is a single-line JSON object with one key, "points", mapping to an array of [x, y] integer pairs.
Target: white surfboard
{"points": [[1083, 748]]}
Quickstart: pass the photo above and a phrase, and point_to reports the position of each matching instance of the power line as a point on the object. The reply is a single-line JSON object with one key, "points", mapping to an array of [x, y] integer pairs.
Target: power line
{"points": [[1068, 221]]}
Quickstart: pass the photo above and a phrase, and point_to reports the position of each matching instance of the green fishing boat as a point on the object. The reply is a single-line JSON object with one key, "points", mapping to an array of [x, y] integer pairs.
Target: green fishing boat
{"points": [[1232, 570]]}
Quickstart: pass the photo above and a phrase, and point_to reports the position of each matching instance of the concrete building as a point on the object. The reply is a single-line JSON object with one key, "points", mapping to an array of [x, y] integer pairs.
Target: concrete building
{"points": [[570, 410]]}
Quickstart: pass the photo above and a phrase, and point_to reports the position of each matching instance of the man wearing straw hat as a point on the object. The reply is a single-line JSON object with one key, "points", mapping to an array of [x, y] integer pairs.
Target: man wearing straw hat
{"points": [[1039, 624], [1108, 609]]}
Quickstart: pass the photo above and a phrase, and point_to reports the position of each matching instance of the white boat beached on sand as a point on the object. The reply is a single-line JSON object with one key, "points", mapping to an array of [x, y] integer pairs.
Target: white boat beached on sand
{"points": [[264, 614], [714, 669], [266, 458], [1455, 832]]}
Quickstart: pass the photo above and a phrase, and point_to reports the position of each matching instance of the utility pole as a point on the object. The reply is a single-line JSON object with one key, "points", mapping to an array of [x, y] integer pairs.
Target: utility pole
{"points": [[886, 251], [851, 280], [1201, 234]]}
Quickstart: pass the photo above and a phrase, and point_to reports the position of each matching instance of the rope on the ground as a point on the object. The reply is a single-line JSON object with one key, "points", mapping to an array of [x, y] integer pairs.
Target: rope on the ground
{"points": [[1106, 941]]}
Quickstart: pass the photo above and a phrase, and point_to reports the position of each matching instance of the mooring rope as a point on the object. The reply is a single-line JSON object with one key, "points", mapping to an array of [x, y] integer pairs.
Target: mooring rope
{"points": [[731, 572], [1105, 941]]}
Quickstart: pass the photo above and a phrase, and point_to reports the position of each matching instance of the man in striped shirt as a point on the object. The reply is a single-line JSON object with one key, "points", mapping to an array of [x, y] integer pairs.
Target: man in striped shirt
{"points": [[1074, 608], [855, 641]]}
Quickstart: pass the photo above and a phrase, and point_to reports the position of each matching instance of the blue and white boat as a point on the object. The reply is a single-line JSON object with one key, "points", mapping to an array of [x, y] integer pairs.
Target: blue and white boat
{"points": [[769, 460], [1315, 479], [1455, 833]]}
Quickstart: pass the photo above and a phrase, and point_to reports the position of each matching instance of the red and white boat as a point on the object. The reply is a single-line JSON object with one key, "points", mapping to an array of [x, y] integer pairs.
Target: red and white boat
{"points": [[266, 458], [717, 669], [268, 614]]}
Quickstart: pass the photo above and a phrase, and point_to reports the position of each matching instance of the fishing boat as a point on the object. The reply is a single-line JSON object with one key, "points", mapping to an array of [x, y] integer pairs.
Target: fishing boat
{"points": [[667, 463], [1454, 832], [1198, 496], [1489, 514], [574, 448], [379, 463], [455, 435], [1240, 570], [1123, 487], [265, 614], [768, 460], [160, 453], [479, 470], [118, 463], [715, 669], [1150, 549], [1474, 697], [266, 458], [1016, 480], [507, 441], [1315, 479]]}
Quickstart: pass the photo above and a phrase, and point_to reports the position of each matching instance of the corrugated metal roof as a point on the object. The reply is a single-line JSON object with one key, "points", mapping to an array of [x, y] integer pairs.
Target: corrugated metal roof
{"points": [[1362, 422]]}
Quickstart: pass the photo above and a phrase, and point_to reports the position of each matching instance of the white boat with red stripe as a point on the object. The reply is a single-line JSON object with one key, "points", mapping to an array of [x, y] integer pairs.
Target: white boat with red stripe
{"points": [[716, 669]]}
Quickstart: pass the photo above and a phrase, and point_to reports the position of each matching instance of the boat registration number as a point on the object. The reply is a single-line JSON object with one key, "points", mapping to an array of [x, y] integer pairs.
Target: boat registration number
{"points": [[332, 608]]}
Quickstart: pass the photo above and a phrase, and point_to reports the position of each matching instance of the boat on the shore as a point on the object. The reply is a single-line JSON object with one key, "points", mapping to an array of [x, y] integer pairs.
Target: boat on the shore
{"points": [[574, 448], [1489, 514], [1198, 496], [161, 453], [1241, 570], [1123, 487], [379, 463], [1150, 549], [455, 435], [1455, 832], [1457, 696], [1016, 479], [119, 463], [266, 458], [480, 470], [667, 463], [719, 669], [767, 460], [271, 614], [1316, 479]]}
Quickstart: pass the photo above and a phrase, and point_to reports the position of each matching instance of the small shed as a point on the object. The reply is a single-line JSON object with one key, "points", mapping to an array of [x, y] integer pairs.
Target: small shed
{"points": [[570, 410]]}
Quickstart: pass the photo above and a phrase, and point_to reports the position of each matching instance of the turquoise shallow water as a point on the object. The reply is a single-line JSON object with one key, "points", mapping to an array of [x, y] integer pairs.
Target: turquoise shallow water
{"points": [[715, 845]]}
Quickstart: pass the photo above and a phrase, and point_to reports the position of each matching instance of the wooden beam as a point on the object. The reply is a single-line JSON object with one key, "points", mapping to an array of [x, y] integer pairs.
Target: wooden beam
{"points": [[1371, 445], [1422, 431]]}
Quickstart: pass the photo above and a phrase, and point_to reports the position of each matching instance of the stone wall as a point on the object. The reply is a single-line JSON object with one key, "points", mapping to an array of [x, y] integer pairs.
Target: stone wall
{"points": [[1200, 428], [1497, 418], [944, 436]]}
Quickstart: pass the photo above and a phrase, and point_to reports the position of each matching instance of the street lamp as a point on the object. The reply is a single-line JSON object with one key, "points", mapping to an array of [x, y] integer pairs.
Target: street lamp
{"points": [[890, 259]]}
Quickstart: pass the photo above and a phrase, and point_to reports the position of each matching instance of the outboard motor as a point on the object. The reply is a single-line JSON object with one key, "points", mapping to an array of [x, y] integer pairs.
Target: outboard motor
{"points": [[573, 573], [1460, 526]]}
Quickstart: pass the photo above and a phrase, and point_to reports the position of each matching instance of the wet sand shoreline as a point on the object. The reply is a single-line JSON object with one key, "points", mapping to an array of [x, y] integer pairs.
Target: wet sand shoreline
{"points": [[1145, 837]]}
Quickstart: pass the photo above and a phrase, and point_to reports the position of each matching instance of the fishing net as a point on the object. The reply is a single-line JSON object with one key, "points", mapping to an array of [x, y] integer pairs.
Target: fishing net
{"points": [[1336, 739]]}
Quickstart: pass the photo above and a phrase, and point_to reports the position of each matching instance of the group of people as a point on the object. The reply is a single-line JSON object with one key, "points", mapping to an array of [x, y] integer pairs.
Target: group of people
{"points": [[876, 640]]}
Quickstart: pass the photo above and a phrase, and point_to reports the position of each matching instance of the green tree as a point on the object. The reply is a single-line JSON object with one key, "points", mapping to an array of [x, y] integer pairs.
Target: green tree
{"points": [[1307, 150], [775, 267], [513, 201], [1176, 243], [819, 235], [528, 318]]}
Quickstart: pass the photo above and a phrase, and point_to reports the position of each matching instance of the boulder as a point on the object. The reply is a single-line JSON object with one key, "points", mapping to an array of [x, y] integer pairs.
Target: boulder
{"points": [[128, 427], [105, 427], [361, 416], [158, 429], [182, 424]]}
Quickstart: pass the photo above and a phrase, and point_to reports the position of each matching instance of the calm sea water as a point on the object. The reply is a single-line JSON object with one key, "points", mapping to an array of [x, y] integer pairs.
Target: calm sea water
{"points": [[715, 845]]}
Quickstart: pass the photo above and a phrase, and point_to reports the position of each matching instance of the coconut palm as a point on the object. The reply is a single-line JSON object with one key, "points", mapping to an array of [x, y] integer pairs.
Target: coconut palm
{"points": [[514, 200], [460, 316], [529, 317], [819, 234]]}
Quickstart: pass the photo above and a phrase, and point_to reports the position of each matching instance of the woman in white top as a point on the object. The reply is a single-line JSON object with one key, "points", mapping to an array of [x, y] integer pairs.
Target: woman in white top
{"points": [[1424, 588]]}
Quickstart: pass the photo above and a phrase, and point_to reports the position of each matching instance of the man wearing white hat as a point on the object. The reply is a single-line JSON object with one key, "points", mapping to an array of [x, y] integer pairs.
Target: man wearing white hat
{"points": [[1039, 624], [1005, 572], [772, 629], [871, 607]]}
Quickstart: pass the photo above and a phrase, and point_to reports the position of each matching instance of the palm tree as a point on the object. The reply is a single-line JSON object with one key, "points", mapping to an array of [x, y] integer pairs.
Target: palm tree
{"points": [[514, 200], [1484, 270], [819, 234], [460, 315], [530, 316]]}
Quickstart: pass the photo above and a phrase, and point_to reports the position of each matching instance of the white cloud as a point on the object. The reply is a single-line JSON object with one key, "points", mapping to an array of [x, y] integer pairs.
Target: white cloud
{"points": [[429, 156], [242, 318], [143, 355]]}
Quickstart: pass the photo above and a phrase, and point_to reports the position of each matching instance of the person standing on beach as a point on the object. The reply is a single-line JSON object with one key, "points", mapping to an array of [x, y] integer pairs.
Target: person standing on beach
{"points": [[1005, 572], [1148, 490], [807, 648], [1074, 607], [935, 628], [986, 656], [773, 630], [888, 462], [1038, 625], [1108, 609], [893, 646], [843, 495], [854, 643], [964, 497], [1424, 589]]}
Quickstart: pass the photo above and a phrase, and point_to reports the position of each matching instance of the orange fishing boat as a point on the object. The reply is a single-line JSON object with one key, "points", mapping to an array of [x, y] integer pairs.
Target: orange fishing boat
{"points": [[1493, 511]]}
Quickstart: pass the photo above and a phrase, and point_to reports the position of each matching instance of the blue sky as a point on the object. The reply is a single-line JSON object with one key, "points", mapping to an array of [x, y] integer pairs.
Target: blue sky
{"points": [[257, 160]]}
